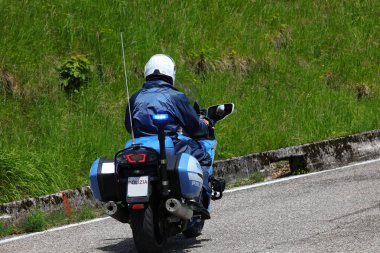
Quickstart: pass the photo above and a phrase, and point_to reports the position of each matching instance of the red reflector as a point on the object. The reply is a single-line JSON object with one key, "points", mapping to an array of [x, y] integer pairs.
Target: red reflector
{"points": [[137, 206], [136, 158]]}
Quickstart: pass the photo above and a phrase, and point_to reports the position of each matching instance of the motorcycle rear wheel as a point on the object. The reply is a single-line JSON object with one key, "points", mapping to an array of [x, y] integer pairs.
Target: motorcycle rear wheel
{"points": [[147, 232]]}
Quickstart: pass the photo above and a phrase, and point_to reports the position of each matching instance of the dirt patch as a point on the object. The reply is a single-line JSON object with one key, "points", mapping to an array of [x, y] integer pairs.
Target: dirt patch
{"points": [[231, 62], [362, 91], [281, 39], [280, 169]]}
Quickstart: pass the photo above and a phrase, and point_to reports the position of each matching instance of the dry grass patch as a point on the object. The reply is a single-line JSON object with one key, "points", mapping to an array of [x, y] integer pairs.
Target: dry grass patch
{"points": [[281, 39], [8, 83], [362, 91], [280, 169], [231, 62]]}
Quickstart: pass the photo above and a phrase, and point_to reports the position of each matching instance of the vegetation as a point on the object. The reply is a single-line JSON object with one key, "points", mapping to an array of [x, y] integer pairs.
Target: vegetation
{"points": [[35, 222], [74, 73], [297, 71], [253, 178], [6, 229], [38, 221]]}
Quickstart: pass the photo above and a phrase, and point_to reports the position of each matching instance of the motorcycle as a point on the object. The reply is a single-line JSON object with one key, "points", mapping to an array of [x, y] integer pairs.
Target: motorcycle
{"points": [[159, 193]]}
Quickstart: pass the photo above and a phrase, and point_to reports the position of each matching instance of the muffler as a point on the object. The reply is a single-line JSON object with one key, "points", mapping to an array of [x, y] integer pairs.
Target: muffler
{"points": [[111, 208], [117, 211], [178, 209]]}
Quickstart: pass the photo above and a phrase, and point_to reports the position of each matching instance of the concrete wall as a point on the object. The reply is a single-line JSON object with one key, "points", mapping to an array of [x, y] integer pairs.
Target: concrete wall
{"points": [[313, 157], [316, 156]]}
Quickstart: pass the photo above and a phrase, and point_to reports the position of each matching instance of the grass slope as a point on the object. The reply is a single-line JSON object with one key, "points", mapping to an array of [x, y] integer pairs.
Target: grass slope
{"points": [[297, 71]]}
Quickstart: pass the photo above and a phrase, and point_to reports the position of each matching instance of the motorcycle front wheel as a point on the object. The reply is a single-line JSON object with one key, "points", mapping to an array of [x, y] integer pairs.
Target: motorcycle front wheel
{"points": [[147, 230]]}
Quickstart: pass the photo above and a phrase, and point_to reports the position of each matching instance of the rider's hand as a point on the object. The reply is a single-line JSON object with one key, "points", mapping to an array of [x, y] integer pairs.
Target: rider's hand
{"points": [[205, 121]]}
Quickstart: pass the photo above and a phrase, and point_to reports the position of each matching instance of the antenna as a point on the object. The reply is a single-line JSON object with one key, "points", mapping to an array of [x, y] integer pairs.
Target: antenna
{"points": [[126, 85]]}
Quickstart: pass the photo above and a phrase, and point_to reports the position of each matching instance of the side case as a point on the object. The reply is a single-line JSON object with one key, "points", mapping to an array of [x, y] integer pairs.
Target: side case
{"points": [[190, 175], [103, 181]]}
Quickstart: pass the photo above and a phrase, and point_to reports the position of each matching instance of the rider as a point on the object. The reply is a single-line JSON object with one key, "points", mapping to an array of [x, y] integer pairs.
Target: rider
{"points": [[158, 95]]}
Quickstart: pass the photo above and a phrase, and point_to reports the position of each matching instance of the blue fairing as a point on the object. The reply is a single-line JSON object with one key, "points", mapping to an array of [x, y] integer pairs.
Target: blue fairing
{"points": [[152, 142], [94, 184], [190, 176]]}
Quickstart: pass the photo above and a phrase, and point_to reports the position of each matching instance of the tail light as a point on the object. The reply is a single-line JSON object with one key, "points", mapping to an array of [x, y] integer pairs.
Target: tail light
{"points": [[132, 157], [136, 158], [138, 206]]}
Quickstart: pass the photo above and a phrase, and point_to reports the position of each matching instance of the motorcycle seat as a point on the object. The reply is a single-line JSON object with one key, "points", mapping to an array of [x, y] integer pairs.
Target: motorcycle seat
{"points": [[152, 142]]}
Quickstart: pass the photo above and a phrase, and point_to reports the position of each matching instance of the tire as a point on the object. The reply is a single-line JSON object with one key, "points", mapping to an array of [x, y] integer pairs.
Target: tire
{"points": [[147, 234], [195, 230]]}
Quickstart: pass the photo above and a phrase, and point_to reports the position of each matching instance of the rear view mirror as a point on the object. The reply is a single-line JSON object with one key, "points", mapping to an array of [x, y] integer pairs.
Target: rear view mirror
{"points": [[219, 112]]}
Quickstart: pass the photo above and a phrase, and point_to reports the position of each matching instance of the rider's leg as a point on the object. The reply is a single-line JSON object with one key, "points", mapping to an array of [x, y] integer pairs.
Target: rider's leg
{"points": [[206, 191]]}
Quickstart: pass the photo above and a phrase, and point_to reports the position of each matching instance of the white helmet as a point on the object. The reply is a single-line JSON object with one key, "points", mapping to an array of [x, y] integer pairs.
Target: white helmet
{"points": [[160, 65]]}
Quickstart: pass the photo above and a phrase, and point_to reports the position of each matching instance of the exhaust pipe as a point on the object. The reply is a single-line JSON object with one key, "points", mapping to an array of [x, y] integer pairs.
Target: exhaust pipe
{"points": [[111, 208], [118, 212], [178, 209]]}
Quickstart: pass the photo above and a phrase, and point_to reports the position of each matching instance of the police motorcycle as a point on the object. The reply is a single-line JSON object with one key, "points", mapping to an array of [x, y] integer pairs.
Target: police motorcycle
{"points": [[159, 193]]}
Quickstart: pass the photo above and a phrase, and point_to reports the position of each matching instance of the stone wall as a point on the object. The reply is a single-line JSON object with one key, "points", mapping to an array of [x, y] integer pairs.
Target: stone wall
{"points": [[316, 156], [48, 203]]}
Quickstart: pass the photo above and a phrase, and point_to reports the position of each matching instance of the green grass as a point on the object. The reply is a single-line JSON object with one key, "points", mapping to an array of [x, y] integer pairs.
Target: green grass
{"points": [[86, 214], [6, 229], [255, 177], [37, 220], [297, 71]]}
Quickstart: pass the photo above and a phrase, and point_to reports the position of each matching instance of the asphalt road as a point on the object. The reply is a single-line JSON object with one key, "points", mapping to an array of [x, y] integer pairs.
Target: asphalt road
{"points": [[334, 211]]}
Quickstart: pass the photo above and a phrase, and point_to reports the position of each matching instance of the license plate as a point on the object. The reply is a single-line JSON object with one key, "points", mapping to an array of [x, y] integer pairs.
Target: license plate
{"points": [[138, 186]]}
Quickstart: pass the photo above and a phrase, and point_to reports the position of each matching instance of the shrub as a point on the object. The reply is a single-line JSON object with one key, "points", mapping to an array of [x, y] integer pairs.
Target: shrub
{"points": [[75, 73], [35, 222]]}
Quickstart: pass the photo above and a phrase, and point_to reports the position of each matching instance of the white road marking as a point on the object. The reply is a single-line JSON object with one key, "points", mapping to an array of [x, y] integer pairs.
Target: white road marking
{"points": [[242, 188], [51, 230]]}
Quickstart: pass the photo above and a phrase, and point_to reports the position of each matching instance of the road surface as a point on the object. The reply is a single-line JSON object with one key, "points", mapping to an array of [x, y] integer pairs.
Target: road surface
{"points": [[332, 211]]}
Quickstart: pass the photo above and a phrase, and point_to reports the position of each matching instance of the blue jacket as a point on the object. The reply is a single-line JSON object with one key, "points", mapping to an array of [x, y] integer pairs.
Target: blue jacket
{"points": [[161, 97]]}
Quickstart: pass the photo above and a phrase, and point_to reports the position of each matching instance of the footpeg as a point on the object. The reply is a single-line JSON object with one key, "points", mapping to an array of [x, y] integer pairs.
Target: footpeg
{"points": [[200, 210], [217, 185]]}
